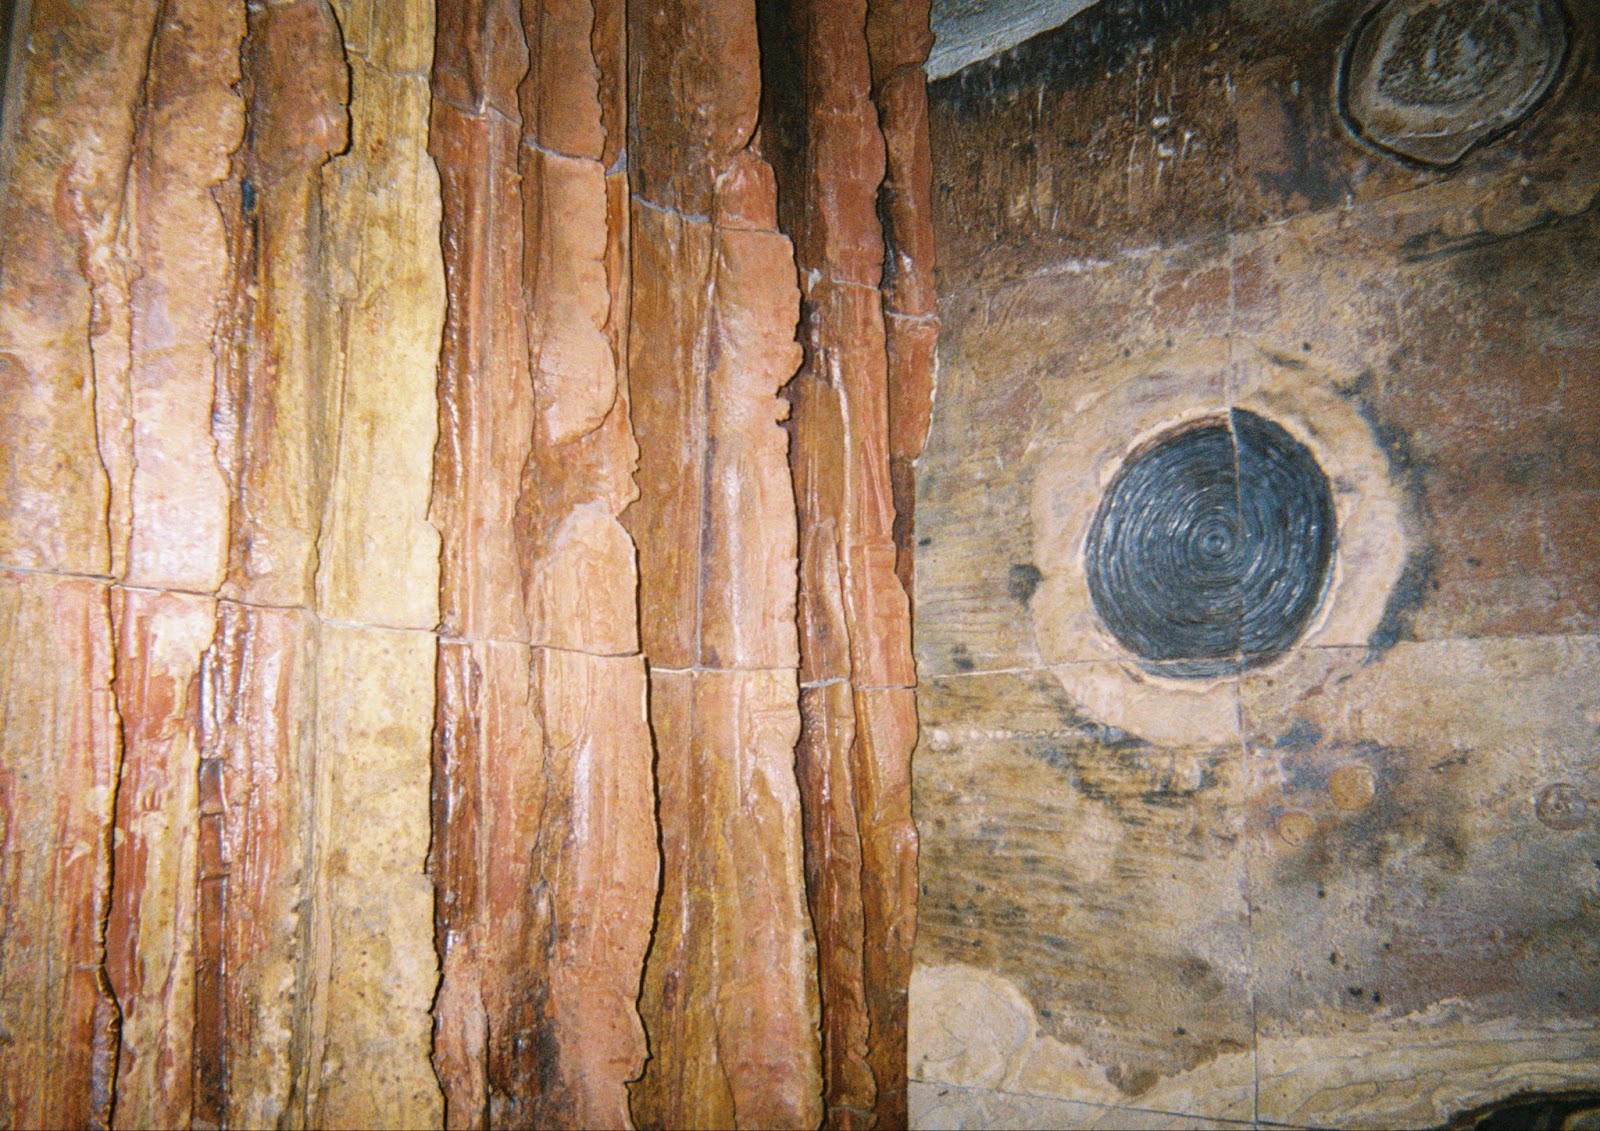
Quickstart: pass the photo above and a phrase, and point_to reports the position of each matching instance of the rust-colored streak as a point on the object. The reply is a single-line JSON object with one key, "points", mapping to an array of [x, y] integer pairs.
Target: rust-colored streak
{"points": [[460, 1018], [898, 42], [151, 953], [256, 769], [55, 679], [886, 732], [485, 393], [833, 872], [271, 423], [164, 952], [560, 98], [544, 859], [191, 122], [210, 1002], [730, 997], [490, 795], [684, 1083], [63, 507], [861, 406], [695, 80], [668, 410], [731, 931], [63, 278], [272, 420], [595, 854], [163, 933], [596, 857]]}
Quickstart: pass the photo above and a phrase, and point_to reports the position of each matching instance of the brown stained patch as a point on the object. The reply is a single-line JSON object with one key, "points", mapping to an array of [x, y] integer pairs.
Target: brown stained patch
{"points": [[1443, 884], [967, 617], [1052, 337], [1252, 287], [1506, 441], [1354, 795], [1108, 134], [1179, 300], [1099, 874], [210, 1025], [1294, 155], [1013, 417], [1277, 147]]}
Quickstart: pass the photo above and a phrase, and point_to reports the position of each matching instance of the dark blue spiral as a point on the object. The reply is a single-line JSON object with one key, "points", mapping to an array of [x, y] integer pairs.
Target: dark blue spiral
{"points": [[1211, 549]]}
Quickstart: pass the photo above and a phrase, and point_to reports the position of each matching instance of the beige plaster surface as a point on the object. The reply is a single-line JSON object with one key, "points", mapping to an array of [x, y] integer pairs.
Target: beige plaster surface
{"points": [[1356, 886]]}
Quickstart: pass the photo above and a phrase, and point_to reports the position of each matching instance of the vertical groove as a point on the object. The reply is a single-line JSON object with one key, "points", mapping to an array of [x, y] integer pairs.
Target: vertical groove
{"points": [[846, 94]]}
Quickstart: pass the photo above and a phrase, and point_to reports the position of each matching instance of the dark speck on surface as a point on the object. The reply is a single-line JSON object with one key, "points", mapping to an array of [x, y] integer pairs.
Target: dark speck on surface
{"points": [[1023, 581]]}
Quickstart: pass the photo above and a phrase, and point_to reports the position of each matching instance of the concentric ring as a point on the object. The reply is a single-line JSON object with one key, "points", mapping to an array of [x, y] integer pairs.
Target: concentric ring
{"points": [[1430, 80], [1212, 547]]}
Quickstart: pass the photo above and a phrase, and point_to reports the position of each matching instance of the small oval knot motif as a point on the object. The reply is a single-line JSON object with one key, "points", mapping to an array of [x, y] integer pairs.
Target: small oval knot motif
{"points": [[1561, 806], [1296, 827], [1352, 787]]}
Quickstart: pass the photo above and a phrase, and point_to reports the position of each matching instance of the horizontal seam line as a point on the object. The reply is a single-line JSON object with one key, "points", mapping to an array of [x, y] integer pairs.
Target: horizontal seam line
{"points": [[718, 671], [305, 610]]}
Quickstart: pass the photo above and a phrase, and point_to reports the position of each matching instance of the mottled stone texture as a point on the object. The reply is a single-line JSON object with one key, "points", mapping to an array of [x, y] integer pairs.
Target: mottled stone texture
{"points": [[403, 641], [1354, 887]]}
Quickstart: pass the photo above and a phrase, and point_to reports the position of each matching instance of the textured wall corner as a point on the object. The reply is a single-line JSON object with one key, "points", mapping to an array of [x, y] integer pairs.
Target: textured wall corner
{"points": [[968, 31]]}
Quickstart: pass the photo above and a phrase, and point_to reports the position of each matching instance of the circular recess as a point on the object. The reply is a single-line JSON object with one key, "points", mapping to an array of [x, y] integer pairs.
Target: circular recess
{"points": [[1429, 79], [1211, 548]]}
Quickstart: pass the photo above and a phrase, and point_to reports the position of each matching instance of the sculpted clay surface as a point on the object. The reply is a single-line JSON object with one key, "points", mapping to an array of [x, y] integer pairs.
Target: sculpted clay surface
{"points": [[399, 565]]}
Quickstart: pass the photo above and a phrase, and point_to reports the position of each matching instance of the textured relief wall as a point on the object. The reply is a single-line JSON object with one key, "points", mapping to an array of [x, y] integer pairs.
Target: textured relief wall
{"points": [[450, 676], [221, 326], [1178, 880]]}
